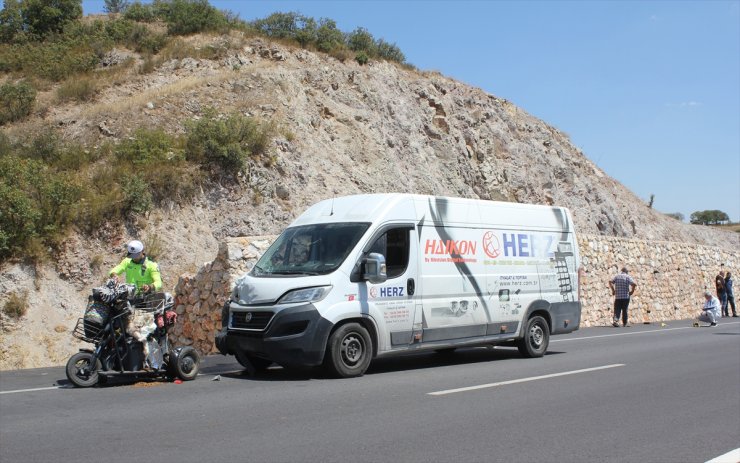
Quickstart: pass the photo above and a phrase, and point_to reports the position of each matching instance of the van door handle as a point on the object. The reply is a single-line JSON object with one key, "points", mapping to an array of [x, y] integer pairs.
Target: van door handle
{"points": [[410, 287]]}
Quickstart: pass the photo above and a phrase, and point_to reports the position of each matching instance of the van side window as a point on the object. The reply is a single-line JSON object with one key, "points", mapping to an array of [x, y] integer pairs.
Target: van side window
{"points": [[394, 245]]}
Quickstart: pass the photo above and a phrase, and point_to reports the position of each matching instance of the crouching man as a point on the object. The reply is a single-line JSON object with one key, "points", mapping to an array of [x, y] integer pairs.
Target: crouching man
{"points": [[710, 312]]}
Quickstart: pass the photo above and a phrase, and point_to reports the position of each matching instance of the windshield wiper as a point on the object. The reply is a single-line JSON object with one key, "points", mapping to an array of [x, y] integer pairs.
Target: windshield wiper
{"points": [[294, 272]]}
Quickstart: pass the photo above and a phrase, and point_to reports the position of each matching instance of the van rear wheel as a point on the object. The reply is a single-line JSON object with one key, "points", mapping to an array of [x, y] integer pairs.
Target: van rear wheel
{"points": [[536, 338], [349, 351]]}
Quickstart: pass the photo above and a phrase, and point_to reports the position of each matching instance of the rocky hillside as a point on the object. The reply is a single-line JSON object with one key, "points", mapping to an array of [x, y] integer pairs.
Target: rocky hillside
{"points": [[343, 129]]}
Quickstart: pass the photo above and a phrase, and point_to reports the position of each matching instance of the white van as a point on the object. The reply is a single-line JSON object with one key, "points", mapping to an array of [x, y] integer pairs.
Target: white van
{"points": [[359, 277]]}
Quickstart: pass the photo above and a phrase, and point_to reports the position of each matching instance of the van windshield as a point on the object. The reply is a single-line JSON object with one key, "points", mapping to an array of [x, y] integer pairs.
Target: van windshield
{"points": [[310, 249]]}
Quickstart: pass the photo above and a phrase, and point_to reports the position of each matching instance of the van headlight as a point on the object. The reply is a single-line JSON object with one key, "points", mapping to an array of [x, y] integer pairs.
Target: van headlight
{"points": [[305, 295]]}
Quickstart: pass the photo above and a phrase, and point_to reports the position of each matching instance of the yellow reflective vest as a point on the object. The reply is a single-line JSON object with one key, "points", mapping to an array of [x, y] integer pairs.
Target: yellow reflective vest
{"points": [[144, 273]]}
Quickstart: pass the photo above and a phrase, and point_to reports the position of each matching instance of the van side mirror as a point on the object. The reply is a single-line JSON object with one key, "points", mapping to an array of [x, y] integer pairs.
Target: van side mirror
{"points": [[375, 271]]}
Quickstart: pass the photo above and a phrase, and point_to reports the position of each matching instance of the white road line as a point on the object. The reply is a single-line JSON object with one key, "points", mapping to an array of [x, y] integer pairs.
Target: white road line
{"points": [[633, 333], [523, 380], [35, 389], [733, 456]]}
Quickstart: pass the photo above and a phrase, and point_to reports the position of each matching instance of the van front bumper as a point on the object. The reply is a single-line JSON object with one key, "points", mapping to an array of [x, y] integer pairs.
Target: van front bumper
{"points": [[295, 336]]}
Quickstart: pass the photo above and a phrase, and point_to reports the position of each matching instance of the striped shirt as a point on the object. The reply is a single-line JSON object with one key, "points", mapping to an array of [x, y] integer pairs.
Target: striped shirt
{"points": [[622, 284]]}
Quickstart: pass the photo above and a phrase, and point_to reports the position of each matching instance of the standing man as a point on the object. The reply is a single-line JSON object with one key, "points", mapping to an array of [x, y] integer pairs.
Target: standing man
{"points": [[719, 284], [710, 312], [730, 295], [622, 286]]}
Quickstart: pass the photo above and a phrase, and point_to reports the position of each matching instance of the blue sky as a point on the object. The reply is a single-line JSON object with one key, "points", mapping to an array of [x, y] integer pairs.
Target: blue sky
{"points": [[649, 90]]}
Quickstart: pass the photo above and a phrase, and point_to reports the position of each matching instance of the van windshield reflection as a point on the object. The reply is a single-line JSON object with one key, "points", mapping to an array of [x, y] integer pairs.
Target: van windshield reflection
{"points": [[310, 249]]}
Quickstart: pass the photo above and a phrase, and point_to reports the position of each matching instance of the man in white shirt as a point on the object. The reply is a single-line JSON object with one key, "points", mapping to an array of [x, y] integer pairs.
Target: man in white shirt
{"points": [[710, 312]]}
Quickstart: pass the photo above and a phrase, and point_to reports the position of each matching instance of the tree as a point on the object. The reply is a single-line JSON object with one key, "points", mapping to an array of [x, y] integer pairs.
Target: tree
{"points": [[42, 17], [709, 217], [116, 6], [652, 200], [11, 21]]}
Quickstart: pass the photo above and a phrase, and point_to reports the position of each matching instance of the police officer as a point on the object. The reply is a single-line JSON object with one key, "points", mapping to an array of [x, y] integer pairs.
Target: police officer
{"points": [[139, 270]]}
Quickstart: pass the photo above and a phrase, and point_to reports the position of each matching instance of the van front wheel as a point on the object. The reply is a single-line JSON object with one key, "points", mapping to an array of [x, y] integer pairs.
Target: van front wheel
{"points": [[349, 351], [536, 338]]}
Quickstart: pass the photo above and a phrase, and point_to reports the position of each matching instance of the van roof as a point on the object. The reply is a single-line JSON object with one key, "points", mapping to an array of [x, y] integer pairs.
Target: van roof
{"points": [[435, 210]]}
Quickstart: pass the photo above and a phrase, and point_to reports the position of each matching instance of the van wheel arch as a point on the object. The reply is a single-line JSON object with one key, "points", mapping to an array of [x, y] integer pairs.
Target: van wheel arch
{"points": [[539, 308]]}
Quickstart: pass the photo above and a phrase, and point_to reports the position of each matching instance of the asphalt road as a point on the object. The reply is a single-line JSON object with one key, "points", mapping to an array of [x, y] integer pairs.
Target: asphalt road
{"points": [[647, 393]]}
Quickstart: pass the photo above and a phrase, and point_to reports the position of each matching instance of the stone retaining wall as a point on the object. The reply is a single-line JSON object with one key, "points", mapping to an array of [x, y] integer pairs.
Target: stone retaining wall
{"points": [[671, 278]]}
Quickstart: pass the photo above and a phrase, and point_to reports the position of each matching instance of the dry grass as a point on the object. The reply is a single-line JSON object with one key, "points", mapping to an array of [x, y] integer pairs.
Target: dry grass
{"points": [[140, 99], [729, 227]]}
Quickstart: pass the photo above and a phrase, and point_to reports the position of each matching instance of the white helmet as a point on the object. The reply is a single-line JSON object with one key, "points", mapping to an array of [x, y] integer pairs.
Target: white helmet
{"points": [[134, 248]]}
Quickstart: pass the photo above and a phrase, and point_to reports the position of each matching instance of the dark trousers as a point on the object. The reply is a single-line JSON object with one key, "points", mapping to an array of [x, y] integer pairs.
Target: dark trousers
{"points": [[620, 306], [731, 300], [723, 303]]}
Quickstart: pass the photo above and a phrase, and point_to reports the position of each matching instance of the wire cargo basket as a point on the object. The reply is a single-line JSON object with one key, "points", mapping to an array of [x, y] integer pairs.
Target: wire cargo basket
{"points": [[87, 331], [151, 303]]}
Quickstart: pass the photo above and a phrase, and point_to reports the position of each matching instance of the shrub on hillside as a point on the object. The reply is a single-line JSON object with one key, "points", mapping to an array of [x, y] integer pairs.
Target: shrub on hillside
{"points": [[191, 16], [157, 159], [11, 22], [16, 306], [147, 147], [389, 51], [361, 40], [226, 143], [140, 12], [361, 58], [328, 36], [16, 101], [49, 60], [115, 6], [35, 202], [137, 197], [43, 17]]}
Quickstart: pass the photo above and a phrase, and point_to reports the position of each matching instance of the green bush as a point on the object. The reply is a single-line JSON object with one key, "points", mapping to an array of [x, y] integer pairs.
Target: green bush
{"points": [[148, 147], [140, 12], [49, 60], [362, 58], [44, 146], [361, 40], [35, 202], [11, 21], [157, 159], [280, 25], [389, 51], [115, 6], [137, 197], [226, 143], [18, 218], [328, 36], [191, 16], [16, 101], [43, 17]]}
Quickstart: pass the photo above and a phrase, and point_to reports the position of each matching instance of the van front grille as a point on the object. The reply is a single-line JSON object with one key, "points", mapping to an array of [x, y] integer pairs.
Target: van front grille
{"points": [[249, 320]]}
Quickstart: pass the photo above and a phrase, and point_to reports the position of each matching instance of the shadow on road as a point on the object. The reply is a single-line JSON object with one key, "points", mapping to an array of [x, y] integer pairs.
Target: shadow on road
{"points": [[409, 362]]}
